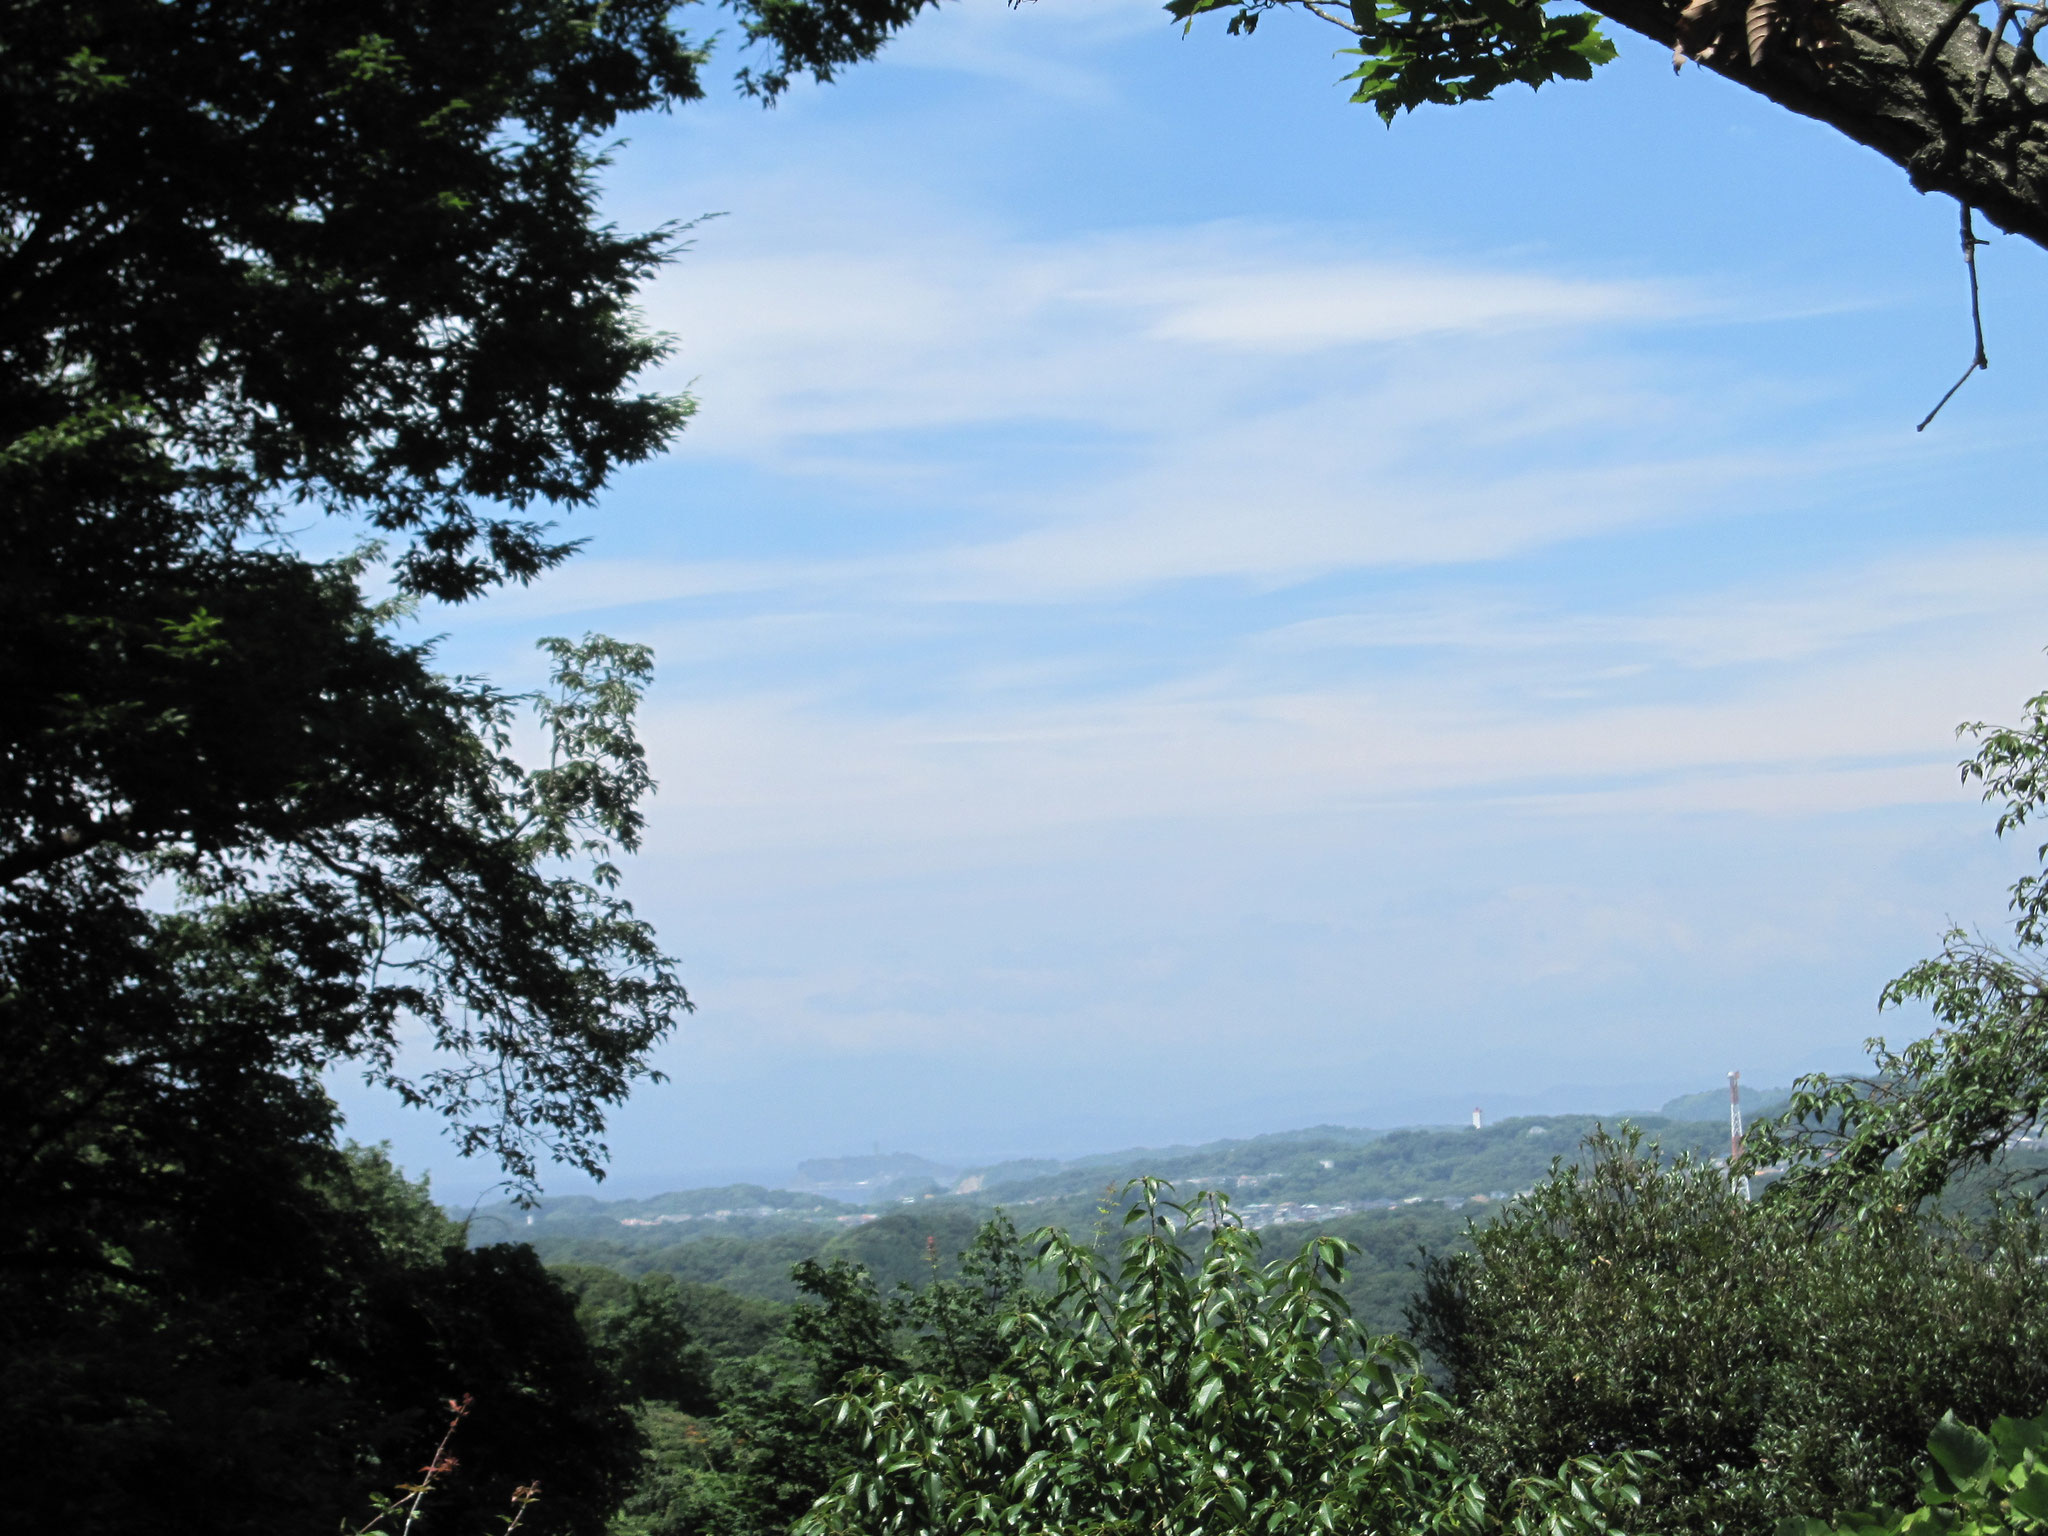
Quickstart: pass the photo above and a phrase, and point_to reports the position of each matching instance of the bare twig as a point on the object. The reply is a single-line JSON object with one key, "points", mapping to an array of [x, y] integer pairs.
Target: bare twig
{"points": [[440, 1464], [523, 1498], [1990, 58], [1336, 21], [1978, 359], [2025, 58]]}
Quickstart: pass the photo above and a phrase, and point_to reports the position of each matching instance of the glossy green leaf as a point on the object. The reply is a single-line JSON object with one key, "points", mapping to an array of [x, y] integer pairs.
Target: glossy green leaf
{"points": [[1960, 1451]]}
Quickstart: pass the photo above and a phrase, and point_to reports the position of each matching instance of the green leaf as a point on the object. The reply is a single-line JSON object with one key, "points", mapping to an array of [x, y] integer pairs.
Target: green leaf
{"points": [[2015, 1437], [1960, 1451], [2030, 1498]]}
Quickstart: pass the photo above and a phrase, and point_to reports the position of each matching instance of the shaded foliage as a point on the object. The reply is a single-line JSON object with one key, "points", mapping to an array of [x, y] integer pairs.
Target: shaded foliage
{"points": [[755, 1466], [293, 1340], [641, 1330], [257, 253], [260, 261], [1629, 1302]]}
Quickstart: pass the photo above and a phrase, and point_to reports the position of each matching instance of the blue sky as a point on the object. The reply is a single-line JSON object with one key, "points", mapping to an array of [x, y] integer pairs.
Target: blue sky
{"points": [[1186, 612]]}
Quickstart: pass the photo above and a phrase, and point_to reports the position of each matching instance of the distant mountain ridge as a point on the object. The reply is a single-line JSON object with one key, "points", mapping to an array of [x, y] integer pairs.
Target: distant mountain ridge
{"points": [[1757, 1104], [1313, 1174], [906, 1218]]}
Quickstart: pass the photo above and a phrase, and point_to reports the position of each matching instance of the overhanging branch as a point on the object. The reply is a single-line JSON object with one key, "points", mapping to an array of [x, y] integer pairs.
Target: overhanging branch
{"points": [[1961, 107], [1922, 83]]}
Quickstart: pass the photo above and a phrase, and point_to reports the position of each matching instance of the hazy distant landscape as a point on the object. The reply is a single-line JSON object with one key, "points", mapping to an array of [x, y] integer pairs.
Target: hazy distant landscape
{"points": [[1391, 1192]]}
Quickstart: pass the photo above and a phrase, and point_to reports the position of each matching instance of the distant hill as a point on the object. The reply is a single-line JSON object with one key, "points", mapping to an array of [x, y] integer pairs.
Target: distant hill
{"points": [[1334, 1170], [1390, 1192], [1316, 1175], [1757, 1104], [1254, 1156], [868, 1170]]}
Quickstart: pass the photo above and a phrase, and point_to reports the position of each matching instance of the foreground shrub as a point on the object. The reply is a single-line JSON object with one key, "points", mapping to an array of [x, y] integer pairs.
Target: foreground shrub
{"points": [[1183, 1388], [1774, 1367]]}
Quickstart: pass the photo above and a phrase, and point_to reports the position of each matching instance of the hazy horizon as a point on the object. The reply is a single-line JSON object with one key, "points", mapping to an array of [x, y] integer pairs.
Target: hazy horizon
{"points": [[647, 1180]]}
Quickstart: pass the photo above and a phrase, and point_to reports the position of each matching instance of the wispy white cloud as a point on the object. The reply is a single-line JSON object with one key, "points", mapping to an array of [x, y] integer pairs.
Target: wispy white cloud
{"points": [[1133, 332], [1049, 48], [1342, 484], [1864, 727], [1953, 588], [1234, 401], [1267, 414], [1284, 501], [1264, 411], [1299, 307]]}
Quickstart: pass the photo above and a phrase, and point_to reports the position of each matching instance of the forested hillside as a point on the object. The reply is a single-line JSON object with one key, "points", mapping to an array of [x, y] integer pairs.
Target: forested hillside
{"points": [[1318, 1174], [910, 1247], [1392, 1193]]}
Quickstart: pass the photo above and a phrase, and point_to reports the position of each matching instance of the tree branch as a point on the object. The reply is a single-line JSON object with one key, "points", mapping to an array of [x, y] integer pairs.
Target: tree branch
{"points": [[68, 844], [1333, 19], [1903, 84], [1967, 116]]}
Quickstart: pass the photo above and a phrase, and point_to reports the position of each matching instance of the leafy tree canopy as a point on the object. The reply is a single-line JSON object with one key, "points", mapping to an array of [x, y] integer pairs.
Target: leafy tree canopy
{"points": [[276, 1349], [754, 1464], [1774, 1370], [262, 259], [259, 263], [257, 254]]}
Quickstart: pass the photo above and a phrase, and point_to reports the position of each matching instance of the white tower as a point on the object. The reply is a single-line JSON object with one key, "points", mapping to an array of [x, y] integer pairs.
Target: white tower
{"points": [[1735, 1128], [1478, 1120]]}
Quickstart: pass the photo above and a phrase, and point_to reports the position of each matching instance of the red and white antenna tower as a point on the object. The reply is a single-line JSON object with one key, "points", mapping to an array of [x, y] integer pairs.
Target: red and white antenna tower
{"points": [[1735, 1129]]}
